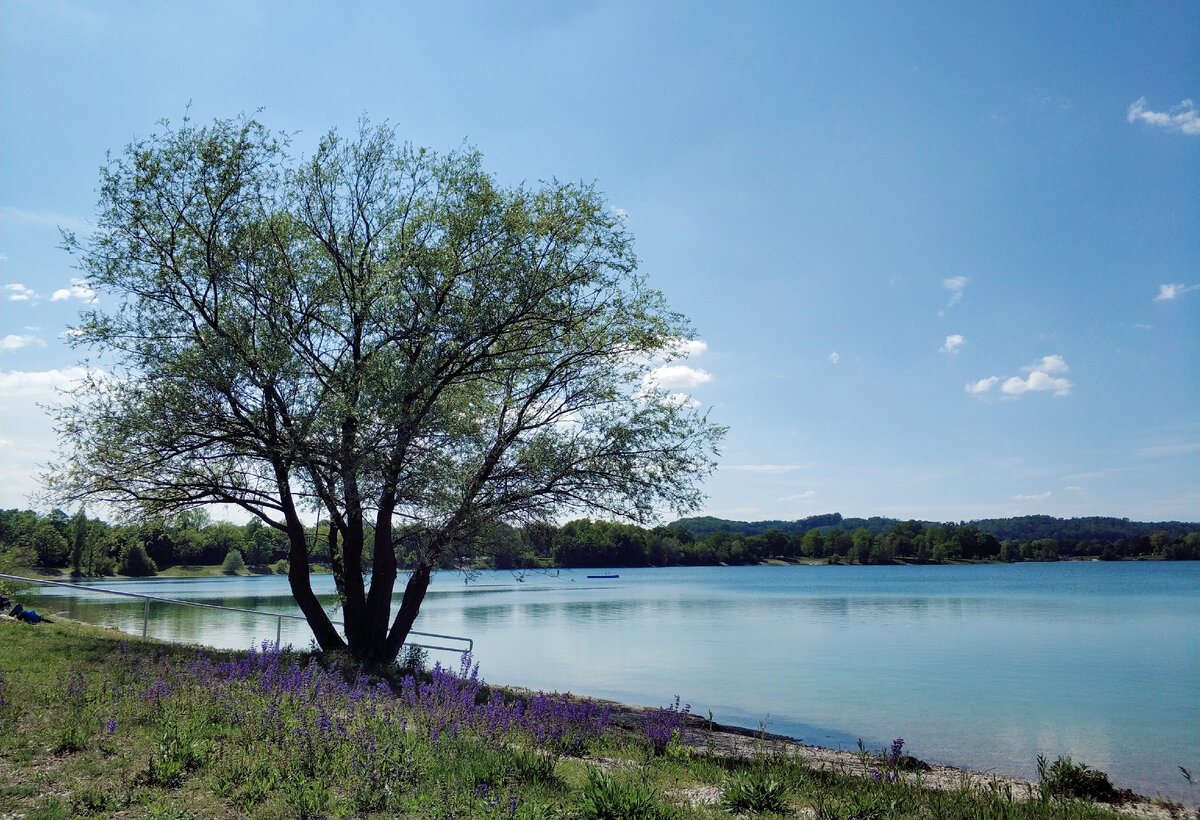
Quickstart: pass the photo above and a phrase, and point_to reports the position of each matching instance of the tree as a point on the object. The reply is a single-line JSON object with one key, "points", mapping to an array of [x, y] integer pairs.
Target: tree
{"points": [[135, 562], [233, 562], [79, 539], [49, 545], [379, 333]]}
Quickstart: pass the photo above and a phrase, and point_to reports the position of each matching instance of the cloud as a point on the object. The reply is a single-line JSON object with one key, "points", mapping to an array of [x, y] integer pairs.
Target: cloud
{"points": [[1166, 292], [765, 469], [1040, 379], [1167, 450], [40, 382], [807, 495], [1047, 364], [1035, 382], [1184, 118], [676, 375], [834, 357], [621, 213], [953, 342], [45, 219], [14, 342], [982, 386], [956, 285], [79, 290], [20, 293], [681, 400], [1031, 496], [688, 347]]}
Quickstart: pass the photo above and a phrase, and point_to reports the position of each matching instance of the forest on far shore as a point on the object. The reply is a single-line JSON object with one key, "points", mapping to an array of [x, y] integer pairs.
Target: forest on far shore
{"points": [[90, 547]]}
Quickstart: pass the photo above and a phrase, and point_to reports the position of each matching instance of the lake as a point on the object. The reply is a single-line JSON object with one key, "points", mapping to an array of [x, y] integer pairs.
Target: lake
{"points": [[983, 667]]}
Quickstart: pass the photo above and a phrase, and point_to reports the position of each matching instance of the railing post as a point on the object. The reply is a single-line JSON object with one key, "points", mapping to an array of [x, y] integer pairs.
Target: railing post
{"points": [[278, 631], [145, 619]]}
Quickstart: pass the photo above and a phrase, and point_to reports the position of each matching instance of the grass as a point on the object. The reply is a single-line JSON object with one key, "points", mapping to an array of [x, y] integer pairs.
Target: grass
{"points": [[95, 724]]}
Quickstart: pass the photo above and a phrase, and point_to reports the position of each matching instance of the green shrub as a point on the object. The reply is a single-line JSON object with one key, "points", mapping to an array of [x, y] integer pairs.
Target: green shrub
{"points": [[606, 798], [1066, 779], [233, 562], [177, 753], [70, 738], [135, 562], [755, 792], [413, 659], [306, 797]]}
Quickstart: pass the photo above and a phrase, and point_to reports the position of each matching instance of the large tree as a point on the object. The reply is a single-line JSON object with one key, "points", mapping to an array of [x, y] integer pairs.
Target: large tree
{"points": [[381, 334]]}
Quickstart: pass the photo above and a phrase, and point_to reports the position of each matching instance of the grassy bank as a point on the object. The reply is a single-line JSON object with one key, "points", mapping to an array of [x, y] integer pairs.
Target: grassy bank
{"points": [[94, 723]]}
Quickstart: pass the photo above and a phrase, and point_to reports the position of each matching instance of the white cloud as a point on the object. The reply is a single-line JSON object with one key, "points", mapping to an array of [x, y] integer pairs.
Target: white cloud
{"points": [[807, 495], [1167, 450], [953, 342], [766, 469], [79, 290], [1038, 380], [688, 347], [40, 382], [1047, 364], [14, 342], [681, 400], [1031, 496], [45, 219], [1166, 292], [956, 285], [676, 375], [982, 386], [834, 357], [621, 213], [20, 293], [1184, 117]]}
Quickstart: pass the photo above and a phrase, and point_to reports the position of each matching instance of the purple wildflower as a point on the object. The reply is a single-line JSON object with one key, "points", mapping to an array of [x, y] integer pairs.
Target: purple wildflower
{"points": [[660, 726]]}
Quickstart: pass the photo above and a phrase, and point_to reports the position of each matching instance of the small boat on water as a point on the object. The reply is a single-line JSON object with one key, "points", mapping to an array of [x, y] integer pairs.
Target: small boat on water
{"points": [[604, 576]]}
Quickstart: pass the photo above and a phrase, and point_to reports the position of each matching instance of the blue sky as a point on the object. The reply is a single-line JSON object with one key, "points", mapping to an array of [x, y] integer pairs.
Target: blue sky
{"points": [[944, 257]]}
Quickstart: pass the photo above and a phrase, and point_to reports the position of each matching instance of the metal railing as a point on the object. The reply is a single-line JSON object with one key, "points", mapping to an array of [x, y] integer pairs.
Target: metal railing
{"points": [[279, 616]]}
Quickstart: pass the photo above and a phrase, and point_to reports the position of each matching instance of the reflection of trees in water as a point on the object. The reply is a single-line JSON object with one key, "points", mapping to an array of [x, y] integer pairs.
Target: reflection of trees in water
{"points": [[189, 624]]}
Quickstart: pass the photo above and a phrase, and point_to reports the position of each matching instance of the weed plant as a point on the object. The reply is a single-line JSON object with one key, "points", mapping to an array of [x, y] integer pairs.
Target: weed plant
{"points": [[755, 793], [613, 798], [93, 725], [1065, 778]]}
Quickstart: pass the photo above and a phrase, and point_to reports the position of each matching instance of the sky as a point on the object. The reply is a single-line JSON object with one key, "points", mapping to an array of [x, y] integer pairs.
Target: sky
{"points": [[943, 258]]}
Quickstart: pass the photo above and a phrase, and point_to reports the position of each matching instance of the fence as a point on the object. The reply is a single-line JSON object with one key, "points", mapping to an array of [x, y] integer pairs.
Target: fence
{"points": [[467, 644]]}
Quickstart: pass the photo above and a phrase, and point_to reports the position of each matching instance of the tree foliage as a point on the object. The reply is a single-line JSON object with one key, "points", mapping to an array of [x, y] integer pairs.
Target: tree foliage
{"points": [[379, 333]]}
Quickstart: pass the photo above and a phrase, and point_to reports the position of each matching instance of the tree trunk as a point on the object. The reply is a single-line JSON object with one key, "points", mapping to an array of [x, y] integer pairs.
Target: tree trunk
{"points": [[378, 606], [414, 594], [299, 579]]}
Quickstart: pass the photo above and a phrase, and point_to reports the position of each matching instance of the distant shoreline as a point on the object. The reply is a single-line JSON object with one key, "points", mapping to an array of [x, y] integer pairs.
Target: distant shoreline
{"points": [[213, 571]]}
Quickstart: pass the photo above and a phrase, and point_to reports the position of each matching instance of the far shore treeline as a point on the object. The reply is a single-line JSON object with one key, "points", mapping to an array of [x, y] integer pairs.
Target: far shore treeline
{"points": [[59, 542]]}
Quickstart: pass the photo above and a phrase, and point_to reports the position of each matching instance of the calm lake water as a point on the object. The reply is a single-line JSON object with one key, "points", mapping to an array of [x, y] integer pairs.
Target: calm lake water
{"points": [[983, 667]]}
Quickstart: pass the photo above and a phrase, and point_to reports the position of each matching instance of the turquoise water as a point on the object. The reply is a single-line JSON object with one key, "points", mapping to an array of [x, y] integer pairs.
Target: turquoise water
{"points": [[977, 666]]}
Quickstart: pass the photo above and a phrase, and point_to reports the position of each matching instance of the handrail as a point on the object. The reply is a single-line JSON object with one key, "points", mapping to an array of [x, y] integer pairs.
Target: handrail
{"points": [[278, 615]]}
